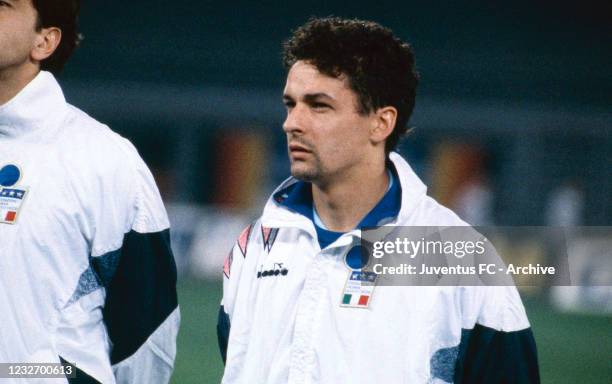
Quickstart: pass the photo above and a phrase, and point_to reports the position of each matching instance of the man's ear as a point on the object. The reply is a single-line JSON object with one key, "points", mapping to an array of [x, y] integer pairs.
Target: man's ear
{"points": [[384, 123], [46, 43]]}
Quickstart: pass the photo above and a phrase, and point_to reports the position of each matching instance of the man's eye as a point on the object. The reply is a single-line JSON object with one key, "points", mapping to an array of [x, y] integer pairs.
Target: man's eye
{"points": [[289, 104], [320, 106]]}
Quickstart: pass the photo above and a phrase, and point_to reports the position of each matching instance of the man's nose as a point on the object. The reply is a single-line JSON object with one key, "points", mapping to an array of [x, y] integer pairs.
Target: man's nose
{"points": [[295, 120]]}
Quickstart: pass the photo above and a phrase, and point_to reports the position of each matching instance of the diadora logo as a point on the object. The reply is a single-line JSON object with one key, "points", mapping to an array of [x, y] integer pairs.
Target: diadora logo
{"points": [[276, 270]]}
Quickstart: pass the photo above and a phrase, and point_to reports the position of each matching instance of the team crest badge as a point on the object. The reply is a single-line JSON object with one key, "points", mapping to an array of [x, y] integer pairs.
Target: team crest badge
{"points": [[360, 284], [358, 289], [11, 195]]}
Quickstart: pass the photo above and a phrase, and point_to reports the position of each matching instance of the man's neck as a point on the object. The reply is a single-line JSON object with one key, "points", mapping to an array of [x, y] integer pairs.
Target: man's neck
{"points": [[14, 79], [341, 205]]}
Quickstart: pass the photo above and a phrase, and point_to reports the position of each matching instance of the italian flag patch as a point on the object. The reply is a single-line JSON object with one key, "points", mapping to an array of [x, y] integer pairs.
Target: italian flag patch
{"points": [[358, 289]]}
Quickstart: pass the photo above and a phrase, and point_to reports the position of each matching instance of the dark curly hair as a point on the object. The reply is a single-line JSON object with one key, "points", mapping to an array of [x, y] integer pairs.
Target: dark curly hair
{"points": [[62, 14], [379, 66]]}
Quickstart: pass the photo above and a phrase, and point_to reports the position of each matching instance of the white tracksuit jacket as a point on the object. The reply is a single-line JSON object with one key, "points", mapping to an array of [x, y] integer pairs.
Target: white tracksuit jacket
{"points": [[290, 328], [86, 270]]}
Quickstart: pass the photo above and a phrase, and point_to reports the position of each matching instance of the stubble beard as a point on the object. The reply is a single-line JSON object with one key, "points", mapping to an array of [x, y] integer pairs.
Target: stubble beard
{"points": [[306, 172]]}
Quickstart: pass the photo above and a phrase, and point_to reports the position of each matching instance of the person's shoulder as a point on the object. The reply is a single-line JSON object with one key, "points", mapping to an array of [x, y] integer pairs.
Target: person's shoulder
{"points": [[99, 159], [443, 214], [418, 208], [96, 143], [430, 212]]}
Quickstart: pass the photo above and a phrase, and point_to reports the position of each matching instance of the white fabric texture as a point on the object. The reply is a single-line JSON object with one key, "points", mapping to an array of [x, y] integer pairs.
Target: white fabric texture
{"points": [[292, 329]]}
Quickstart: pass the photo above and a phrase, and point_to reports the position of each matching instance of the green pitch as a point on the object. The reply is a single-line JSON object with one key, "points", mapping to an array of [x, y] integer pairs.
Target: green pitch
{"points": [[571, 348]]}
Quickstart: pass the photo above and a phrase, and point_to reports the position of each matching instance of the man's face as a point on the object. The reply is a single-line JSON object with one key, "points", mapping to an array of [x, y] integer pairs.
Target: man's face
{"points": [[326, 136], [17, 32]]}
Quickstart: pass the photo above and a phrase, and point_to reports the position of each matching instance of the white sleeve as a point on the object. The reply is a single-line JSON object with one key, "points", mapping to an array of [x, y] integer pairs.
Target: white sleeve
{"points": [[232, 270], [141, 309], [126, 304]]}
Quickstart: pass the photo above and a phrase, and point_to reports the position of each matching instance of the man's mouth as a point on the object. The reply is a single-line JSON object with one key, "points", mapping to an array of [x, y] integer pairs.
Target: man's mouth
{"points": [[298, 149]]}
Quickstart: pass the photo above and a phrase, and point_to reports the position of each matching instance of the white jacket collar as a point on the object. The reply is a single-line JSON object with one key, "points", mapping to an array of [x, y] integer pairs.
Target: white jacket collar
{"points": [[413, 190], [39, 104]]}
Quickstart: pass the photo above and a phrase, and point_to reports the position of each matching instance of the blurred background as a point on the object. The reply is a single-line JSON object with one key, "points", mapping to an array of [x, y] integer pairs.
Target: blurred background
{"points": [[512, 126]]}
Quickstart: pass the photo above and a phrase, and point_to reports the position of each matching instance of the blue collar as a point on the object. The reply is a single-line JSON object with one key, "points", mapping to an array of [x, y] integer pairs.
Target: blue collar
{"points": [[298, 198]]}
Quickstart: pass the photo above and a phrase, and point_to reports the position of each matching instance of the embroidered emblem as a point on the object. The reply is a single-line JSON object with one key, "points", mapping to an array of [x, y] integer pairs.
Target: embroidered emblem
{"points": [[227, 265], [360, 284], [243, 239], [277, 270], [11, 196], [358, 290], [269, 236]]}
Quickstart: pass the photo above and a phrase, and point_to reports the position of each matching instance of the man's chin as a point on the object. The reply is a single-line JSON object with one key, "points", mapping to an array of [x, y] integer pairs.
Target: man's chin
{"points": [[303, 174]]}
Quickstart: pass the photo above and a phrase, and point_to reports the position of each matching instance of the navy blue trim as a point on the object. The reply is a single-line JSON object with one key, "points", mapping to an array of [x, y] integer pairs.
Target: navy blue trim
{"points": [[88, 282], [105, 266], [223, 330], [99, 274], [141, 293], [442, 363], [298, 198], [326, 237], [81, 376], [489, 356]]}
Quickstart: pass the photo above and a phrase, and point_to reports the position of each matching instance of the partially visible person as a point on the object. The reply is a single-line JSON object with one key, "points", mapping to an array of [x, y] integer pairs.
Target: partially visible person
{"points": [[565, 205], [474, 202], [87, 276]]}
